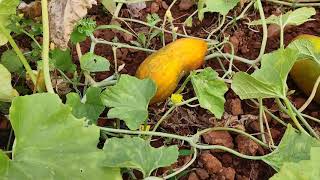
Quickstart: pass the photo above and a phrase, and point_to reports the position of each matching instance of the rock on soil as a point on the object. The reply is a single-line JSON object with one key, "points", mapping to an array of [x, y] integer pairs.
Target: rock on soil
{"points": [[210, 163], [154, 8], [186, 4], [227, 174], [246, 145], [222, 138], [193, 176], [235, 107], [202, 174]]}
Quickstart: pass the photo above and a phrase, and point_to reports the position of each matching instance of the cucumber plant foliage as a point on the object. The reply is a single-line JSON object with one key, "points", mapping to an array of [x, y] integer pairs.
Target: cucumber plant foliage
{"points": [[51, 143]]}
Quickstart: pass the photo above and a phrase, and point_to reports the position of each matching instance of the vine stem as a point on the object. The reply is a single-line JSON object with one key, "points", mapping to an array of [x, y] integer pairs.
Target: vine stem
{"points": [[236, 131], [293, 4], [165, 20], [191, 140], [45, 45], [304, 121], [185, 166], [22, 59], [311, 118], [239, 17], [222, 55], [121, 45], [272, 115], [293, 116], [265, 31], [219, 27], [261, 111]]}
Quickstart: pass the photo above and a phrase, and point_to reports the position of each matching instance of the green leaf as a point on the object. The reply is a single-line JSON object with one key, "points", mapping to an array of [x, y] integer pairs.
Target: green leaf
{"points": [[110, 5], [62, 60], [303, 170], [270, 80], [306, 49], [247, 87], [94, 63], [7, 8], [85, 27], [296, 17], [129, 100], [77, 37], [201, 4], [188, 22], [153, 19], [90, 107], [293, 147], [210, 91], [220, 6], [51, 143], [7, 93], [11, 61], [138, 154]]}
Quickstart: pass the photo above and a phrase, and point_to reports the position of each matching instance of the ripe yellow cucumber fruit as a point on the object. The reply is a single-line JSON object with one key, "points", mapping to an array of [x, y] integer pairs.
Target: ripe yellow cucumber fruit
{"points": [[305, 72], [169, 64]]}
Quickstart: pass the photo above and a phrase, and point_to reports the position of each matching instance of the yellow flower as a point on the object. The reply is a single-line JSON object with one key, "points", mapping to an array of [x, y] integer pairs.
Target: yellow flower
{"points": [[176, 98], [142, 128]]}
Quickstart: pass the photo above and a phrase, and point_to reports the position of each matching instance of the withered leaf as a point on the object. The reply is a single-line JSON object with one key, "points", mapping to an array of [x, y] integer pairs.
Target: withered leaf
{"points": [[64, 14]]}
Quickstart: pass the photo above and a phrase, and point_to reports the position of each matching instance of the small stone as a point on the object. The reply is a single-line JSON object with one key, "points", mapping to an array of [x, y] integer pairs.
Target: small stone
{"points": [[273, 30], [246, 145], [211, 163], [127, 37], [154, 7], [193, 176], [222, 138], [202, 174], [186, 4], [298, 102], [226, 159], [235, 107], [275, 134], [227, 174], [255, 126]]}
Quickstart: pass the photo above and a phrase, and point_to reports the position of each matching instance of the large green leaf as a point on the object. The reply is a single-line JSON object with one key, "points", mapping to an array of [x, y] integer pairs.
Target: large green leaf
{"points": [[7, 93], [11, 61], [303, 170], [51, 143], [296, 17], [210, 91], [7, 8], [90, 107], [138, 154], [129, 100], [268, 81], [293, 147]]}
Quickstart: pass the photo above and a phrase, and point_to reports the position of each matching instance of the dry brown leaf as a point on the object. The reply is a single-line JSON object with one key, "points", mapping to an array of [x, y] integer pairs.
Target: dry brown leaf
{"points": [[31, 10], [64, 14]]}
